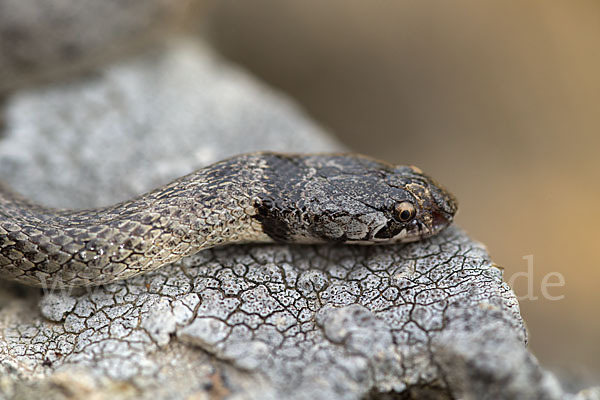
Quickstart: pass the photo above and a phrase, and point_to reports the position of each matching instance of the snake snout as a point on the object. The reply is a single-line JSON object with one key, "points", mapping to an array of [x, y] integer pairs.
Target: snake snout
{"points": [[441, 219], [443, 207], [446, 205]]}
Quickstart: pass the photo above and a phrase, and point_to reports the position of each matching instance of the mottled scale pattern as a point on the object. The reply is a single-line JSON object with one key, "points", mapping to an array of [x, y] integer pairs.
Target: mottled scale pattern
{"points": [[257, 197], [63, 248]]}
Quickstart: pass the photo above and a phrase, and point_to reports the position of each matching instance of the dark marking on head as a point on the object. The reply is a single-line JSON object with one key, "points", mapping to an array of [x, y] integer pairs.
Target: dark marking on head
{"points": [[272, 221], [391, 229]]}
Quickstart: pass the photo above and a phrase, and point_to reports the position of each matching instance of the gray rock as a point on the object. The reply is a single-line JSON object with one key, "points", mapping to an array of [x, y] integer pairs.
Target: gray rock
{"points": [[51, 39], [137, 125], [432, 318]]}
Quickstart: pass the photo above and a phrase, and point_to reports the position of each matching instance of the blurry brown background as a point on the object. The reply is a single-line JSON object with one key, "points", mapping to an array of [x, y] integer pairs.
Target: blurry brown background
{"points": [[498, 100]]}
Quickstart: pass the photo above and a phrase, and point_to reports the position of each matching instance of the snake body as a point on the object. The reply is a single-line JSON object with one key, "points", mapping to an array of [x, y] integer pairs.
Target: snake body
{"points": [[257, 197]]}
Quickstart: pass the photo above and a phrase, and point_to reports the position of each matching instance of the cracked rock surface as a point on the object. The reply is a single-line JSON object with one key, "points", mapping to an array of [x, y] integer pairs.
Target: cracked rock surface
{"points": [[431, 319]]}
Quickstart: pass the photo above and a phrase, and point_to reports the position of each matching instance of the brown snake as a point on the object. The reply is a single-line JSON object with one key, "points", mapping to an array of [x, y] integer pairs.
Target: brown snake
{"points": [[257, 197]]}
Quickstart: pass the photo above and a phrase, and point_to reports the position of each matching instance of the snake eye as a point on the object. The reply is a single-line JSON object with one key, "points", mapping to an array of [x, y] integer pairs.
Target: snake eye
{"points": [[405, 211]]}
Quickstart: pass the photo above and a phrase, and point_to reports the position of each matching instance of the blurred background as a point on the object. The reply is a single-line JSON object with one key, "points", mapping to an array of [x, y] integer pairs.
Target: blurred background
{"points": [[499, 100]]}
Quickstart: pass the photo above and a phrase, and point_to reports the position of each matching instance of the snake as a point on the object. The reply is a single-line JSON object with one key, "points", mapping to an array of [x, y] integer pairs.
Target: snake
{"points": [[257, 197]]}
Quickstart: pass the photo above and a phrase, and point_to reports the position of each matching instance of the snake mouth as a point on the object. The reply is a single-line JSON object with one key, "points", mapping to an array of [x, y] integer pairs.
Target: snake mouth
{"points": [[392, 231], [389, 231]]}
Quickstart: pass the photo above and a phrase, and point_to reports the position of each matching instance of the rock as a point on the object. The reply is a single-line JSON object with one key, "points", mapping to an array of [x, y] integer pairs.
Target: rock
{"points": [[168, 112], [432, 318], [52, 39]]}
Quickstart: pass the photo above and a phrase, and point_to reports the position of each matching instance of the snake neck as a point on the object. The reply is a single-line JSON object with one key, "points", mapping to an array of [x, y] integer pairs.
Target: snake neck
{"points": [[42, 246]]}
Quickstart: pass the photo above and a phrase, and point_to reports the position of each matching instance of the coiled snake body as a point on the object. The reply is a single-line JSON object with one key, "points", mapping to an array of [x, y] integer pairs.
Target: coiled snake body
{"points": [[258, 197]]}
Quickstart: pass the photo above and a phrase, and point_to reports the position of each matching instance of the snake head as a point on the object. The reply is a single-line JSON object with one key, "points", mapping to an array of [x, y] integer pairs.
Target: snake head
{"points": [[353, 199], [414, 207], [380, 203]]}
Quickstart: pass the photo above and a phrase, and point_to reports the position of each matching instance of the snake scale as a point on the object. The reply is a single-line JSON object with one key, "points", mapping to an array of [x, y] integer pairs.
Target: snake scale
{"points": [[257, 197]]}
